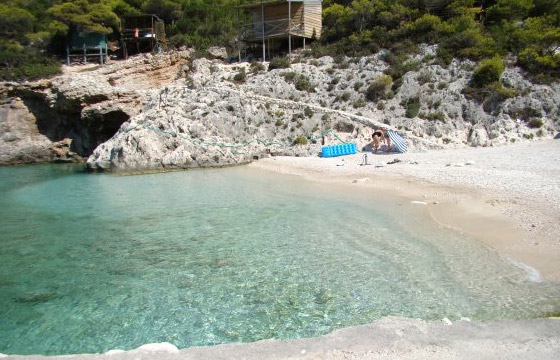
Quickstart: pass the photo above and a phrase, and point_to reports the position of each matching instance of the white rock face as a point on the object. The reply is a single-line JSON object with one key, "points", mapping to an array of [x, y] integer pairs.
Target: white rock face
{"points": [[179, 113], [86, 104], [209, 119]]}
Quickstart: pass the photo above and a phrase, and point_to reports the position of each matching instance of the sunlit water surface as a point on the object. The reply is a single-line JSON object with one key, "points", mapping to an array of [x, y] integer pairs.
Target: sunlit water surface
{"points": [[90, 263]]}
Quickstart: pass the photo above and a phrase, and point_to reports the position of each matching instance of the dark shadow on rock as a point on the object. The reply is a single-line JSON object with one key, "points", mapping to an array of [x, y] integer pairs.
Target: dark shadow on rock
{"points": [[65, 121]]}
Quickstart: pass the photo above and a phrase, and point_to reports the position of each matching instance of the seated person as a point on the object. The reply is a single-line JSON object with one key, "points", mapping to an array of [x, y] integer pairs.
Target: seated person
{"points": [[378, 137]]}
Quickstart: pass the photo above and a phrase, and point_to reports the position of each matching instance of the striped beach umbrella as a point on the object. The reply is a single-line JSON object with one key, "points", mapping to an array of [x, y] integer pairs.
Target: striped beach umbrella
{"points": [[399, 144]]}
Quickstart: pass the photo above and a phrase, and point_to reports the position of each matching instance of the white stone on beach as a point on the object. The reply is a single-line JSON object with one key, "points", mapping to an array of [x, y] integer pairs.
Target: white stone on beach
{"points": [[113, 352], [465, 319], [470, 162], [419, 202], [361, 180], [446, 321], [160, 347]]}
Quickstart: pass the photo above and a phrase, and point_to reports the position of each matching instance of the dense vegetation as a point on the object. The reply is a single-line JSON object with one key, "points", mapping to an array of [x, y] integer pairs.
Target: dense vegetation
{"points": [[32, 31], [527, 29]]}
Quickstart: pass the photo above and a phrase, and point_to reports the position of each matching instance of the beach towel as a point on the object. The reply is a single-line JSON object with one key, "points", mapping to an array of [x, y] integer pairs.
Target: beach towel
{"points": [[399, 144]]}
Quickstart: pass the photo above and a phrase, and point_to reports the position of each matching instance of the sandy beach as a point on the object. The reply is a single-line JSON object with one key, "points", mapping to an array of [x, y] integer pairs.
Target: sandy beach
{"points": [[508, 197]]}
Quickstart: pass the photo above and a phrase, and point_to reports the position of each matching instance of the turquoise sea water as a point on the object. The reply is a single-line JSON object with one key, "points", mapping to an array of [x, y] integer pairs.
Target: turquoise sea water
{"points": [[90, 262]]}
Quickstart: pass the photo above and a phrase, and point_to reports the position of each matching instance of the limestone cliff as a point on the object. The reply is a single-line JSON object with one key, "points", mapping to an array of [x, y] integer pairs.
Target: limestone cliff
{"points": [[170, 111], [82, 108], [233, 113]]}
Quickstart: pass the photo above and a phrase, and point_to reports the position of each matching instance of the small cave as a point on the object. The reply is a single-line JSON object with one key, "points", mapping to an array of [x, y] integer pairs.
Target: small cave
{"points": [[101, 128], [50, 122], [57, 124]]}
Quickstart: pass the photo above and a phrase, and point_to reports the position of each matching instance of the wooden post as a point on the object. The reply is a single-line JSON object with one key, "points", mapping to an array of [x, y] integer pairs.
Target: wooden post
{"points": [[85, 57], [262, 19], [100, 54], [67, 55], [238, 34], [290, 29]]}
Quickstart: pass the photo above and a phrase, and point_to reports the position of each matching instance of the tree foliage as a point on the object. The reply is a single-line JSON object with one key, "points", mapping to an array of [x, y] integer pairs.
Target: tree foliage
{"points": [[477, 30], [528, 29]]}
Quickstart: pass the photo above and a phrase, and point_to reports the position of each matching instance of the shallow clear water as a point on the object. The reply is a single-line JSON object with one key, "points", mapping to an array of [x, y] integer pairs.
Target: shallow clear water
{"points": [[90, 263]]}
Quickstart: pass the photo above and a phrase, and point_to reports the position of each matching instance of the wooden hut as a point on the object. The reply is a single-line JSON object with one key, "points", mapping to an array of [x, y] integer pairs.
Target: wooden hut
{"points": [[86, 45], [142, 33], [269, 23]]}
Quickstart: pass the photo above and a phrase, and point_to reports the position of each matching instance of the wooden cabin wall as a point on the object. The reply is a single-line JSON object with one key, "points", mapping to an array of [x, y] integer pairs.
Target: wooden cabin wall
{"points": [[276, 15], [312, 19], [306, 19]]}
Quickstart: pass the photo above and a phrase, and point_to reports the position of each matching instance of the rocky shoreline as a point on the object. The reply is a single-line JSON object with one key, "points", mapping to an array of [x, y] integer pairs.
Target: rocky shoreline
{"points": [[172, 111]]}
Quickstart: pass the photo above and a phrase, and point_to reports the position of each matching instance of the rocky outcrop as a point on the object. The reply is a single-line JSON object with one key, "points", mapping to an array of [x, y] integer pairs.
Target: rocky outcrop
{"points": [[166, 111], [224, 114], [86, 104]]}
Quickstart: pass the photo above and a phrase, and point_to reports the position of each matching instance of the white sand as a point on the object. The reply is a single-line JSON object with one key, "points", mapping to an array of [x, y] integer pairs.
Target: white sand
{"points": [[509, 197]]}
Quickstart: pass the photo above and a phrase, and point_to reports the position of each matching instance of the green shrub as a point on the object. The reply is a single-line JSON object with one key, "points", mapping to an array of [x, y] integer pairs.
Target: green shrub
{"points": [[300, 140], [433, 116], [358, 85], [308, 112], [535, 123], [288, 75], [25, 63], [398, 66], [491, 96], [279, 63], [359, 103], [256, 67], [314, 63], [488, 71], [303, 84], [412, 107], [344, 65], [241, 76], [379, 89], [424, 77], [345, 96]]}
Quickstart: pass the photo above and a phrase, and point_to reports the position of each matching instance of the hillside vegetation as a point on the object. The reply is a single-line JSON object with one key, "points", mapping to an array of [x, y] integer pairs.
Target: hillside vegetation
{"points": [[32, 33]]}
